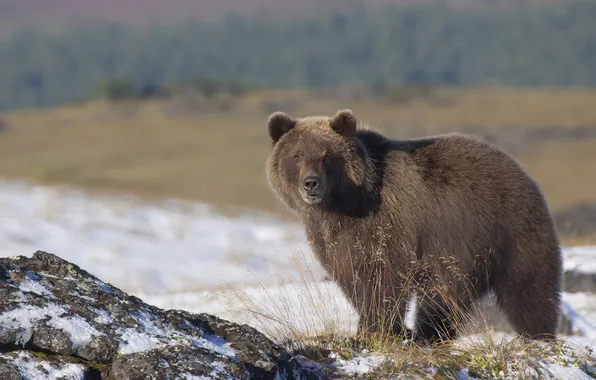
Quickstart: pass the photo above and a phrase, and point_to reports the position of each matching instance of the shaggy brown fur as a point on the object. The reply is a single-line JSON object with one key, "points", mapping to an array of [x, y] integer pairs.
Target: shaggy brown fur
{"points": [[442, 220]]}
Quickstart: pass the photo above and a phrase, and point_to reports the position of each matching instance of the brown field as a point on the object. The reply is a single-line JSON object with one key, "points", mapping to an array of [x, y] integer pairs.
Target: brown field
{"points": [[213, 150]]}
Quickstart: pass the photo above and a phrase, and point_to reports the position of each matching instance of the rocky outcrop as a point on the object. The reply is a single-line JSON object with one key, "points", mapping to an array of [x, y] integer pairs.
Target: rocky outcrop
{"points": [[59, 321]]}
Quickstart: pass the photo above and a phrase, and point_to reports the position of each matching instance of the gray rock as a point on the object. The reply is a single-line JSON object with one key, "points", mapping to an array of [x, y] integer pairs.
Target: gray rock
{"points": [[52, 306], [580, 282], [8, 370], [177, 362], [579, 219], [590, 370]]}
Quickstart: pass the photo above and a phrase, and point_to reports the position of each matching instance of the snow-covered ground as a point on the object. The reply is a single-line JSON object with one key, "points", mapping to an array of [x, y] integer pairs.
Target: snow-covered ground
{"points": [[157, 249], [174, 254], [251, 269]]}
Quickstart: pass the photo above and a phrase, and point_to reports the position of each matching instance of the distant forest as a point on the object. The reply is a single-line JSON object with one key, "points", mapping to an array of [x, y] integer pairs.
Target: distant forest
{"points": [[548, 46]]}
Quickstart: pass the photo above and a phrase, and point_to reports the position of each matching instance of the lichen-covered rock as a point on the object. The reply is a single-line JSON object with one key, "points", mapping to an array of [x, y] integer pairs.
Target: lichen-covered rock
{"points": [[50, 305], [9, 370], [177, 362]]}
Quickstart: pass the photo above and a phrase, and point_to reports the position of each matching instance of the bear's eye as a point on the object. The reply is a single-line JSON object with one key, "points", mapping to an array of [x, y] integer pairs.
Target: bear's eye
{"points": [[326, 157], [296, 157]]}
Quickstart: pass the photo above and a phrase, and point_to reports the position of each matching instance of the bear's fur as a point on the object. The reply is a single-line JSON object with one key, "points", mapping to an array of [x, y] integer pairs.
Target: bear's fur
{"points": [[420, 227]]}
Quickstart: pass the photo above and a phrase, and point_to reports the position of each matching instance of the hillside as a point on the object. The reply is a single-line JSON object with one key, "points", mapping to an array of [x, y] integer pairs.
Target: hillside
{"points": [[412, 45], [213, 149], [16, 14]]}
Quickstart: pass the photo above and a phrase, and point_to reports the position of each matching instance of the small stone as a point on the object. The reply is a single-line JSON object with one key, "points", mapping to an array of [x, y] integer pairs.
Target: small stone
{"points": [[9, 371], [590, 370]]}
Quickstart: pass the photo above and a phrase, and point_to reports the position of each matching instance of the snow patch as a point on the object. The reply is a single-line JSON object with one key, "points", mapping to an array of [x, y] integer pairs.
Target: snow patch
{"points": [[411, 312], [557, 371], [19, 297], [152, 336], [25, 318], [79, 330], [81, 296], [359, 364], [103, 316], [578, 323], [173, 246], [30, 284], [132, 341], [33, 368], [218, 370], [102, 285], [580, 259]]}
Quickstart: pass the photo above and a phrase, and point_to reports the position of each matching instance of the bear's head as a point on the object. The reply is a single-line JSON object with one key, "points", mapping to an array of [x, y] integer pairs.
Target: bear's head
{"points": [[314, 161]]}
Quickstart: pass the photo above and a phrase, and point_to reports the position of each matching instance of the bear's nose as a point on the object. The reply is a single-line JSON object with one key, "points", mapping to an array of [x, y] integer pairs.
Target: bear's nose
{"points": [[311, 183]]}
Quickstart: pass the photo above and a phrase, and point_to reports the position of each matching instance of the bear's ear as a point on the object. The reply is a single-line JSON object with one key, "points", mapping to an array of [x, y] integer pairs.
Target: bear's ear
{"points": [[278, 124], [344, 122]]}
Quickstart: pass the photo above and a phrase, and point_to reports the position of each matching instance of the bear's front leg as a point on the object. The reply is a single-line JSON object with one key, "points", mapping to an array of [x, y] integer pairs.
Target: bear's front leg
{"points": [[384, 321], [434, 321]]}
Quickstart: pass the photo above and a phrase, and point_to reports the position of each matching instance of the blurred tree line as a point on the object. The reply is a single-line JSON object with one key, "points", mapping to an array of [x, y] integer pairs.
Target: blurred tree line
{"points": [[547, 46]]}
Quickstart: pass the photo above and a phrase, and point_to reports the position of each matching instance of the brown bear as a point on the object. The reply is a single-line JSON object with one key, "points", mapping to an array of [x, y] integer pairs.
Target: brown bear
{"points": [[416, 231]]}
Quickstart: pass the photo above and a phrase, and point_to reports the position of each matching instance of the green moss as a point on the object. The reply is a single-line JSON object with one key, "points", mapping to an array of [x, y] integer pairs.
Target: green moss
{"points": [[39, 354], [70, 359]]}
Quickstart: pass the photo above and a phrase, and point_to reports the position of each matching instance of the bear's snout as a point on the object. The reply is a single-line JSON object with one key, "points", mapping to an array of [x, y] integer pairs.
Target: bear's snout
{"points": [[311, 184], [312, 189]]}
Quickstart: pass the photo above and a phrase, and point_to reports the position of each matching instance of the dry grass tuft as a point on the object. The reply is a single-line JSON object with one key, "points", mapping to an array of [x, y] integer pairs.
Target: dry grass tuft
{"points": [[298, 308]]}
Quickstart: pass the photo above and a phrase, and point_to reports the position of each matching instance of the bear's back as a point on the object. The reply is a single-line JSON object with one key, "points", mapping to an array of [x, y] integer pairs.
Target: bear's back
{"points": [[443, 162], [450, 181]]}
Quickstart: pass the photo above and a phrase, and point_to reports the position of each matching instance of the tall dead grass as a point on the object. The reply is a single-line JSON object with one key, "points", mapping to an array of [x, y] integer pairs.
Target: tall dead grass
{"points": [[316, 320]]}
